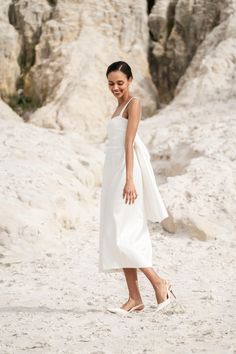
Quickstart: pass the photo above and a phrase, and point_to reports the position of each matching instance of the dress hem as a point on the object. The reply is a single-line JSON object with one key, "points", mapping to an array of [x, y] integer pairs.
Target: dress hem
{"points": [[120, 268]]}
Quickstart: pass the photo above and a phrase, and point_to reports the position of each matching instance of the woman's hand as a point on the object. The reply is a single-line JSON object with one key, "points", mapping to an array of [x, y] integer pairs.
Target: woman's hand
{"points": [[129, 192]]}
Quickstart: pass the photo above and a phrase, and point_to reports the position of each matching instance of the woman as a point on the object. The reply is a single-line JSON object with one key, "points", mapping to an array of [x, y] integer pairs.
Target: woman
{"points": [[129, 197]]}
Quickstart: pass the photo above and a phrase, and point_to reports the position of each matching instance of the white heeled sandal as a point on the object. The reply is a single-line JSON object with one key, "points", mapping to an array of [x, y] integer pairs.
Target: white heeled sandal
{"points": [[122, 311], [166, 302]]}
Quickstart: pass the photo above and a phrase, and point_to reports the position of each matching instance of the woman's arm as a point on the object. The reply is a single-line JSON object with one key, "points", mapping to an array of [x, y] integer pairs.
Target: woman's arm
{"points": [[134, 114]]}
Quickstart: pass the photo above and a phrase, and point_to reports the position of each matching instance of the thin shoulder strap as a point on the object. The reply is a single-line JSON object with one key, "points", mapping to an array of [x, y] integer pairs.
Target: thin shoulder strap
{"points": [[122, 111]]}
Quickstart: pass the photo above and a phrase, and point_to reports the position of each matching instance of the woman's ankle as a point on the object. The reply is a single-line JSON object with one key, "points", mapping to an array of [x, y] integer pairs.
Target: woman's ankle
{"points": [[135, 299], [159, 284]]}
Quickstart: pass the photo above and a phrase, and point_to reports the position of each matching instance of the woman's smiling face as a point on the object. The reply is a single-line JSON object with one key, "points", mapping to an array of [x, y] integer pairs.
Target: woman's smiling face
{"points": [[118, 83]]}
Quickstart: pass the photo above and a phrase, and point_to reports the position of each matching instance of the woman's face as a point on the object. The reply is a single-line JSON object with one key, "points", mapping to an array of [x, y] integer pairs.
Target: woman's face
{"points": [[118, 83]]}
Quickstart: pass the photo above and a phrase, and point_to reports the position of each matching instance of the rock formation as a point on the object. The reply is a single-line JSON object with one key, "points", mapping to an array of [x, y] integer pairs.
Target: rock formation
{"points": [[65, 50], [177, 29], [9, 52], [48, 182], [193, 139]]}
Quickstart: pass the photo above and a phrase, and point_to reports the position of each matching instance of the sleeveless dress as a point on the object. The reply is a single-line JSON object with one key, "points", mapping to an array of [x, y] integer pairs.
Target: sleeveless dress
{"points": [[124, 239]]}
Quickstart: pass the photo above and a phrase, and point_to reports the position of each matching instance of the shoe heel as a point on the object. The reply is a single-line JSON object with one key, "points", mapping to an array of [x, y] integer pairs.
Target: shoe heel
{"points": [[172, 293], [137, 308]]}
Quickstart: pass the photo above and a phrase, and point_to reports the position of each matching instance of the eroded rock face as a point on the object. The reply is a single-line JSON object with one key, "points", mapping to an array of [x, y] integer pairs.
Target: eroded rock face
{"points": [[66, 48], [28, 19], [193, 154], [210, 79], [9, 52], [177, 29], [192, 140]]}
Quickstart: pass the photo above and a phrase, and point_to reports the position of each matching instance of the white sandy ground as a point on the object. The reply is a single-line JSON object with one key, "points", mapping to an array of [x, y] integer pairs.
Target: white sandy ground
{"points": [[57, 303]]}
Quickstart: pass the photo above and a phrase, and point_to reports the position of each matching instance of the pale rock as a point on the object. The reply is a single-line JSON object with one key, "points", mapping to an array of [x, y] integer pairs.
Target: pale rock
{"points": [[48, 182], [178, 27], [7, 114], [73, 43], [9, 52], [211, 75], [193, 152], [192, 141]]}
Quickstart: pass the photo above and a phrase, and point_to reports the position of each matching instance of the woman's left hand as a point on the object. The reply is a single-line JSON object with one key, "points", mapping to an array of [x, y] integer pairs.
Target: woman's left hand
{"points": [[129, 192]]}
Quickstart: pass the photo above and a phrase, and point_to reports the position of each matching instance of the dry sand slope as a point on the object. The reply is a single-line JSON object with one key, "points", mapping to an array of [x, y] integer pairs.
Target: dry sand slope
{"points": [[57, 303]]}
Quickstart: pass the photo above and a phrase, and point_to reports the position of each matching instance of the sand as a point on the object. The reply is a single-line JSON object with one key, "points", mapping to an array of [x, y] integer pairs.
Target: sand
{"points": [[56, 303]]}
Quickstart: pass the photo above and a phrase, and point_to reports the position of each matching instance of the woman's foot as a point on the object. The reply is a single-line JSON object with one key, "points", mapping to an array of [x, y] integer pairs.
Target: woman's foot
{"points": [[128, 306], [131, 303], [161, 290]]}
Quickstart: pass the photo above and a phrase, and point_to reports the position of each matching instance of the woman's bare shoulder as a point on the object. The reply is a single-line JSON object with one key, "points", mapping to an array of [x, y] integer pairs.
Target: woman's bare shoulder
{"points": [[135, 102], [134, 108]]}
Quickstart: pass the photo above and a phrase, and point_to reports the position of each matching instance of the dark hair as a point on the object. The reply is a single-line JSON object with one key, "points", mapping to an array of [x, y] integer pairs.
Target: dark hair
{"points": [[121, 66]]}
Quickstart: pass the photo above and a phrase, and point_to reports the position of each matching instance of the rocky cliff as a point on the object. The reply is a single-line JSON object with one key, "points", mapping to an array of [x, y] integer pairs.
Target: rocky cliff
{"points": [[193, 138], [65, 49], [177, 28]]}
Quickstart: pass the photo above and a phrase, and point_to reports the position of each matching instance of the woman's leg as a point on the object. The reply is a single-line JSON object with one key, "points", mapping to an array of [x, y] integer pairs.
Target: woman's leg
{"points": [[134, 293], [159, 284]]}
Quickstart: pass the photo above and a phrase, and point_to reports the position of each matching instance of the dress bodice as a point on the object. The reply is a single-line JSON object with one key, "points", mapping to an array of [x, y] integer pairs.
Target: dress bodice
{"points": [[116, 130]]}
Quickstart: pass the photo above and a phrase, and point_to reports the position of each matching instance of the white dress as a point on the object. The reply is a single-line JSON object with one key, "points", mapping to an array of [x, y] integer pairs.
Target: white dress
{"points": [[124, 239]]}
